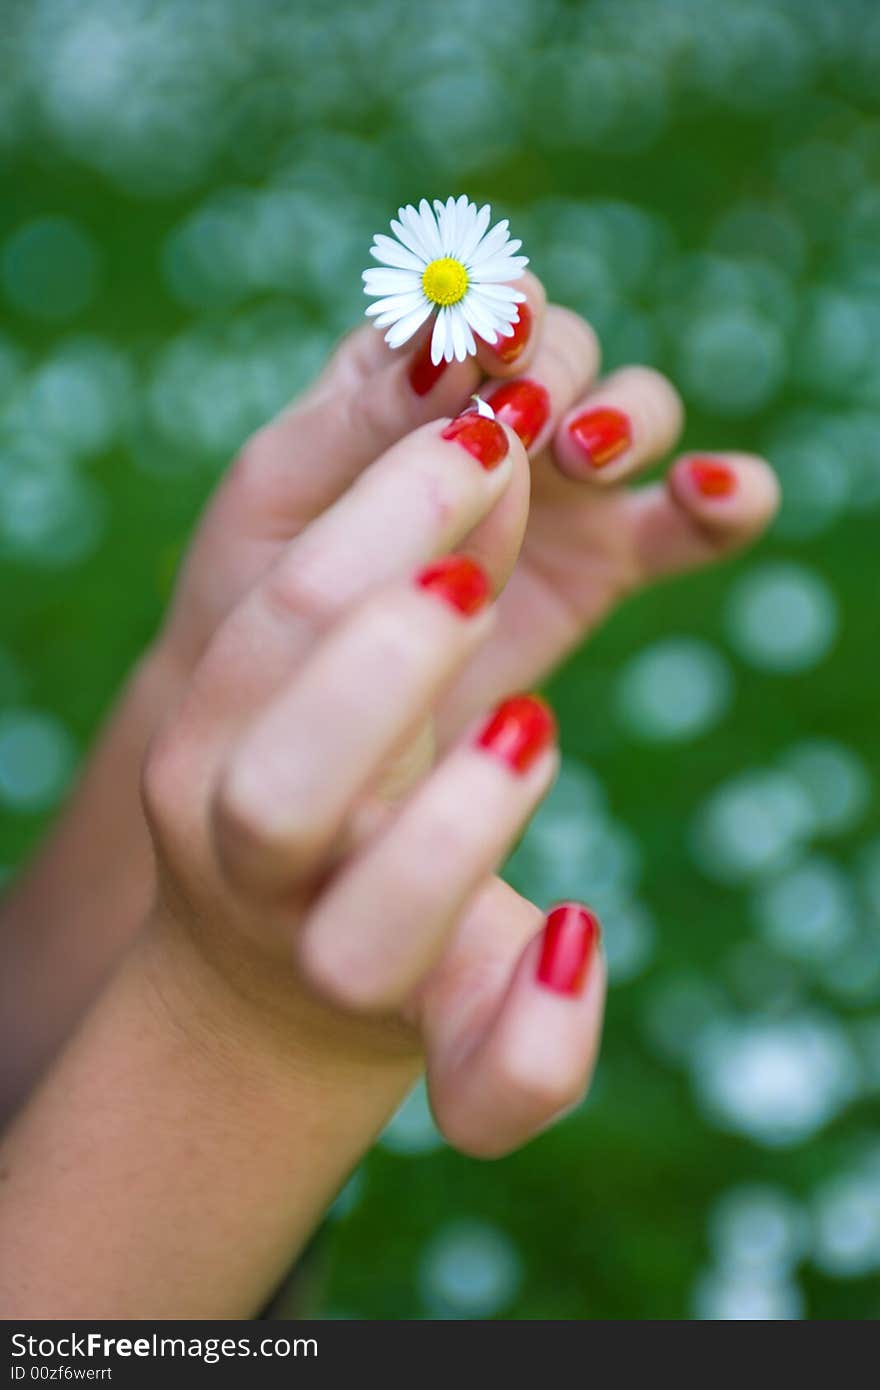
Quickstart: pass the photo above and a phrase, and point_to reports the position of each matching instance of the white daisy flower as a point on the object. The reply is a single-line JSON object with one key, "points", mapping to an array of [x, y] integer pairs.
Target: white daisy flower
{"points": [[446, 262]]}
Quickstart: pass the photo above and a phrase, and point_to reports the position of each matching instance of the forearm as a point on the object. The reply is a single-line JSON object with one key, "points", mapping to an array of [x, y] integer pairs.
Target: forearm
{"points": [[183, 1146], [65, 922]]}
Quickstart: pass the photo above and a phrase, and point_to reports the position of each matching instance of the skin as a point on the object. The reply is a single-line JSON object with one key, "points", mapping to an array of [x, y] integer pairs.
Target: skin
{"points": [[294, 975]]}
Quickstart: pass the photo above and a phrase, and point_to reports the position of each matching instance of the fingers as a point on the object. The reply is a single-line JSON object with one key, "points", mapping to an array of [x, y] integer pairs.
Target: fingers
{"points": [[629, 420], [511, 355], [367, 398], [290, 782], [532, 1056], [419, 500], [386, 918], [565, 361], [707, 507], [301, 462]]}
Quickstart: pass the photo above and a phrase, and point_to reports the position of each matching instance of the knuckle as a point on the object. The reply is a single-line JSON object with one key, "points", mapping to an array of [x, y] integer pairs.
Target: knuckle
{"points": [[573, 341], [368, 418], [533, 287], [467, 1136], [256, 849], [654, 388], [341, 981], [539, 1091], [296, 590], [394, 642], [356, 350], [162, 778], [249, 467], [465, 1125]]}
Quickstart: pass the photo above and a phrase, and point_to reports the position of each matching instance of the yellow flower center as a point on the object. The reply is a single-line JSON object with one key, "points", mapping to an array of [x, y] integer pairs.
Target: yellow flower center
{"points": [[445, 281]]}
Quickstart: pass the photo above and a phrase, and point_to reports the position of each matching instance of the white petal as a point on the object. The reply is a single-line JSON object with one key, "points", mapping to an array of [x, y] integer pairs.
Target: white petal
{"points": [[409, 231], [495, 306], [475, 232], [465, 212], [500, 269], [480, 321], [391, 252], [438, 338], [501, 316], [390, 281], [483, 408], [386, 320], [469, 342], [458, 324], [460, 219], [446, 222], [498, 294], [400, 332], [396, 304], [430, 230], [491, 244], [515, 264]]}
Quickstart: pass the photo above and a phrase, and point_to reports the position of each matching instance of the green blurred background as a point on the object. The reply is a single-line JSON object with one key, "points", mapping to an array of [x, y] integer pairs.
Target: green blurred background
{"points": [[187, 194]]}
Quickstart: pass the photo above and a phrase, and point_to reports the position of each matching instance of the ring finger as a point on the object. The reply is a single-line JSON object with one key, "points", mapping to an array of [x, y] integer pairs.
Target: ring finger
{"points": [[626, 422]]}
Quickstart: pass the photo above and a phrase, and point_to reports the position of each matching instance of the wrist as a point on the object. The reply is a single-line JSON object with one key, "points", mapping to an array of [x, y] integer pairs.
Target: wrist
{"points": [[244, 1005], [201, 1140]]}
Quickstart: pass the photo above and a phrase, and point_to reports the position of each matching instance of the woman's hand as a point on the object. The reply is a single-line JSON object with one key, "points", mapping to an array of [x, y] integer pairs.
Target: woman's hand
{"points": [[314, 936], [281, 855], [590, 540]]}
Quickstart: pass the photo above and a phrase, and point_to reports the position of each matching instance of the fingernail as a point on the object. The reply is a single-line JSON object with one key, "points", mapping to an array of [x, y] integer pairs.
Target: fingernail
{"points": [[571, 935], [519, 731], [460, 582], [509, 349], [602, 435], [423, 373], [711, 478], [524, 406], [483, 438]]}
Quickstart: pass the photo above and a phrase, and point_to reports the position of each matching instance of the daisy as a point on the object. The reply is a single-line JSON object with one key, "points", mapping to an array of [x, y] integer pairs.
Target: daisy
{"points": [[446, 262]]}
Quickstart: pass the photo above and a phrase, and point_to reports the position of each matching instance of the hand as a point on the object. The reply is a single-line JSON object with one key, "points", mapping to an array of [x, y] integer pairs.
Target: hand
{"points": [[590, 539], [351, 926], [588, 542], [311, 942]]}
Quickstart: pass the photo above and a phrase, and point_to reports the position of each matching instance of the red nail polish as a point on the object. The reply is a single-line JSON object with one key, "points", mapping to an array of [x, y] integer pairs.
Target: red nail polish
{"points": [[482, 437], [711, 478], [519, 731], [602, 434], [571, 935], [524, 406], [423, 373], [509, 349], [460, 582]]}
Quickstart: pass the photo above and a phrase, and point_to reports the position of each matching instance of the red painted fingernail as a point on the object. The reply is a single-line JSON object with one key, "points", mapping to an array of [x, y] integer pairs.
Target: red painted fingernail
{"points": [[482, 437], [509, 349], [602, 434], [519, 731], [460, 582], [524, 406], [571, 935], [711, 478], [423, 373]]}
